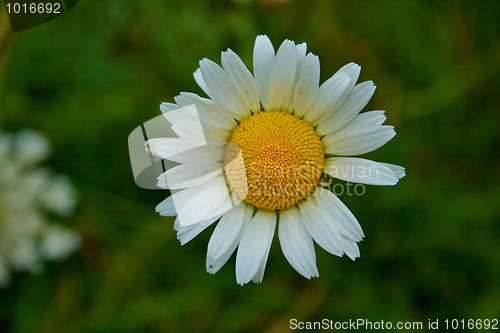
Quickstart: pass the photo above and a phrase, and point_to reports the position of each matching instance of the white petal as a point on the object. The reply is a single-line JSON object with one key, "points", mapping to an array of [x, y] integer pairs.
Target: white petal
{"points": [[244, 79], [167, 147], [180, 151], [306, 90], [329, 96], [301, 54], [359, 170], [214, 265], [210, 152], [209, 112], [355, 102], [198, 77], [399, 171], [320, 226], [185, 234], [217, 135], [228, 229], [224, 89], [351, 249], [362, 130], [352, 70], [181, 113], [332, 93], [259, 276], [263, 61], [187, 125], [359, 141], [166, 207], [199, 203], [253, 248], [296, 243], [369, 118], [177, 225], [189, 174], [345, 229], [282, 76], [190, 131], [346, 223], [166, 107]]}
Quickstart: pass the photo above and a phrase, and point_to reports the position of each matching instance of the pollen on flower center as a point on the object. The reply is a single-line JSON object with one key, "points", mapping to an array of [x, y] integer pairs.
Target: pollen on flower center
{"points": [[282, 159]]}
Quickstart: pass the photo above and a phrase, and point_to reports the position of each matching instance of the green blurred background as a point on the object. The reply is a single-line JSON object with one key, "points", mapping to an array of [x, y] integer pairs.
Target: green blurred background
{"points": [[432, 249]]}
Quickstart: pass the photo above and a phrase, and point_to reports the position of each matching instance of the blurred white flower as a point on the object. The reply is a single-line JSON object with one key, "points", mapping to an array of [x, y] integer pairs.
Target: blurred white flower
{"points": [[58, 242], [59, 196], [31, 147], [30, 195]]}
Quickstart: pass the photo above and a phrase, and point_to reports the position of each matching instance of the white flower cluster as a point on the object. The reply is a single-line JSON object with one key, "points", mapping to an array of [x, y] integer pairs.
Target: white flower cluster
{"points": [[30, 196]]}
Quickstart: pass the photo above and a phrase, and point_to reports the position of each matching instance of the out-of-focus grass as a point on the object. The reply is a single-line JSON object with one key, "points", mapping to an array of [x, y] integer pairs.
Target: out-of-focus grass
{"points": [[432, 242]]}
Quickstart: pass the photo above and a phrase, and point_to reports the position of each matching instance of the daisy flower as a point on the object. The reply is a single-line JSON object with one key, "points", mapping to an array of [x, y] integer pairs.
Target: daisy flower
{"points": [[31, 196], [255, 155]]}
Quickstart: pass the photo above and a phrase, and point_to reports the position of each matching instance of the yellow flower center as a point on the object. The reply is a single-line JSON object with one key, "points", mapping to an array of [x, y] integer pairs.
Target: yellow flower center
{"points": [[281, 159]]}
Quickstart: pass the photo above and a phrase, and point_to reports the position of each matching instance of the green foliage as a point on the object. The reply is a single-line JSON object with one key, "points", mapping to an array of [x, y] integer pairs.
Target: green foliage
{"points": [[432, 245]]}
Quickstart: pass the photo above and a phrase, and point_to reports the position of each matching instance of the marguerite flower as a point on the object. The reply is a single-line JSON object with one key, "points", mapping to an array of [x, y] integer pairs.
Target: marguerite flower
{"points": [[31, 196], [255, 154]]}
